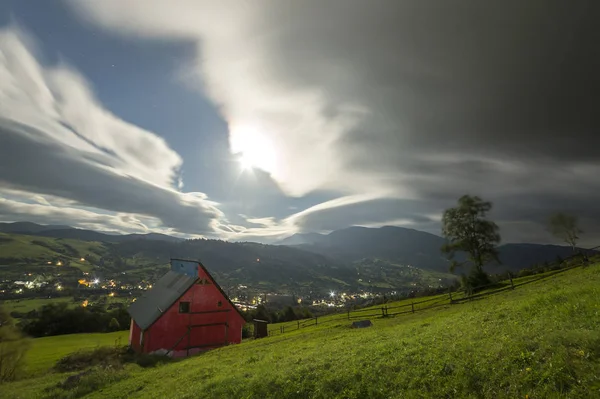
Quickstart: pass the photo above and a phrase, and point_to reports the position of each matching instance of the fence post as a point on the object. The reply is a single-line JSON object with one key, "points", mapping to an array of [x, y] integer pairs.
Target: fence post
{"points": [[412, 305], [450, 294], [316, 321], [511, 282], [281, 329], [382, 312], [298, 324]]}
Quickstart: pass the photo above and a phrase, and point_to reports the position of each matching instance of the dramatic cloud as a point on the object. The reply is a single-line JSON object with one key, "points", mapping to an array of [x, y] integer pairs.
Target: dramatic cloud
{"points": [[376, 212], [405, 101], [56, 139], [238, 68], [14, 206]]}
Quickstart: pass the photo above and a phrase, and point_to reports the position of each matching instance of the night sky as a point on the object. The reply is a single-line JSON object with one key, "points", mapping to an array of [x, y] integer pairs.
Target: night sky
{"points": [[256, 120]]}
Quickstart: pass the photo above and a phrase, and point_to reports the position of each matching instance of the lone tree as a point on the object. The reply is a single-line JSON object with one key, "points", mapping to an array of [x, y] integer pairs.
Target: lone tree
{"points": [[467, 230], [565, 227]]}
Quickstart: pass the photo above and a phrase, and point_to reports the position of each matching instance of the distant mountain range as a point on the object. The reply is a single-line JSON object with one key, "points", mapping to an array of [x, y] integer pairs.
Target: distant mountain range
{"points": [[416, 248], [355, 257], [29, 228], [62, 231]]}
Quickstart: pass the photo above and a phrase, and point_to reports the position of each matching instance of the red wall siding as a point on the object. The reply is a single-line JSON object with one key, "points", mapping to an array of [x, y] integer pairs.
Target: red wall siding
{"points": [[165, 333]]}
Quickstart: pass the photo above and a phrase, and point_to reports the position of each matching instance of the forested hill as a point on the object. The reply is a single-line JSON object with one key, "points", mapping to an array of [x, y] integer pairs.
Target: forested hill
{"points": [[354, 258], [416, 248]]}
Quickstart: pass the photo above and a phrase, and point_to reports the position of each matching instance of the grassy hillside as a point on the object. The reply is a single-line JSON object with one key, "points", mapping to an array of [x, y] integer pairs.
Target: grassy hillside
{"points": [[45, 352], [265, 267], [541, 340], [27, 305], [17, 250], [24, 246]]}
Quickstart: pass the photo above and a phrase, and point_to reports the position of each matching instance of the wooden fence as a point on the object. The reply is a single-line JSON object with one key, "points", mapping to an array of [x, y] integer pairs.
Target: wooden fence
{"points": [[451, 298]]}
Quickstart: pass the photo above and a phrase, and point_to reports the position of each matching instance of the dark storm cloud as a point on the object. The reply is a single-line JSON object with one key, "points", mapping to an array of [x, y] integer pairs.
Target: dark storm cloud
{"points": [[426, 100], [500, 79], [497, 99]]}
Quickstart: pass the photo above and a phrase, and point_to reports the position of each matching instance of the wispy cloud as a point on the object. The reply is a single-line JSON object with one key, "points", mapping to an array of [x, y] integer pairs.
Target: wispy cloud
{"points": [[56, 139], [18, 209]]}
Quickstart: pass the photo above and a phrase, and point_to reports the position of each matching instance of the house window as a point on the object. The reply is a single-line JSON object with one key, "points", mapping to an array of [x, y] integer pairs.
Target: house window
{"points": [[184, 307]]}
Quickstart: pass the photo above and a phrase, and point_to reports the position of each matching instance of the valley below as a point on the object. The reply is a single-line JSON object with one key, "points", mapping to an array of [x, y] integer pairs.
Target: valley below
{"points": [[354, 263]]}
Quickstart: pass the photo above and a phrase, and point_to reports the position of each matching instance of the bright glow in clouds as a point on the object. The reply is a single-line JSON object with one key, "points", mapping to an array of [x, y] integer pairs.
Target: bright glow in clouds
{"points": [[244, 77], [255, 149]]}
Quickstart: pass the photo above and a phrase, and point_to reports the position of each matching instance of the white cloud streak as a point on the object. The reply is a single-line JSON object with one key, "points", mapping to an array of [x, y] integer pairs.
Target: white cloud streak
{"points": [[17, 210], [60, 104], [57, 140]]}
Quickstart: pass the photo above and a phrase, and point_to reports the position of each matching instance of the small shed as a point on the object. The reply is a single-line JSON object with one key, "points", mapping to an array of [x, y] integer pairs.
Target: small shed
{"points": [[185, 312], [260, 328]]}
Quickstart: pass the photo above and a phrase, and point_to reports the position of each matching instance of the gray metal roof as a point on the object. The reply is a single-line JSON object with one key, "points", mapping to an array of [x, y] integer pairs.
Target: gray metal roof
{"points": [[148, 308]]}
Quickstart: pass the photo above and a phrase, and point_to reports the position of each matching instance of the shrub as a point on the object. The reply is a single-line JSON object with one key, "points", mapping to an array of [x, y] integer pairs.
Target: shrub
{"points": [[114, 325], [555, 266], [13, 347], [103, 356], [304, 313], [474, 281], [17, 315], [79, 385], [107, 357], [289, 314], [525, 272], [246, 331]]}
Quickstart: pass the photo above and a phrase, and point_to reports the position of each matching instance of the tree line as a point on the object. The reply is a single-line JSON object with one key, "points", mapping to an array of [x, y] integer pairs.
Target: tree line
{"points": [[59, 318]]}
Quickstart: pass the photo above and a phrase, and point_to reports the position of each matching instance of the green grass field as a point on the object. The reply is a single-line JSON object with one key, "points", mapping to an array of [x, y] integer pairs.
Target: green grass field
{"points": [[404, 305], [46, 351], [27, 305], [541, 340]]}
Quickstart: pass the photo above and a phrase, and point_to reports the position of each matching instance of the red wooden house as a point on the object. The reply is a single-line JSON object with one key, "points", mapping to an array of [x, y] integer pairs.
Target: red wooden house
{"points": [[185, 312]]}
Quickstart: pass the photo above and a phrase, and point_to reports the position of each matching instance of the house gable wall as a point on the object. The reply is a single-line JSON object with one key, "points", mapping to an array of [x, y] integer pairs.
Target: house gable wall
{"points": [[214, 320]]}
